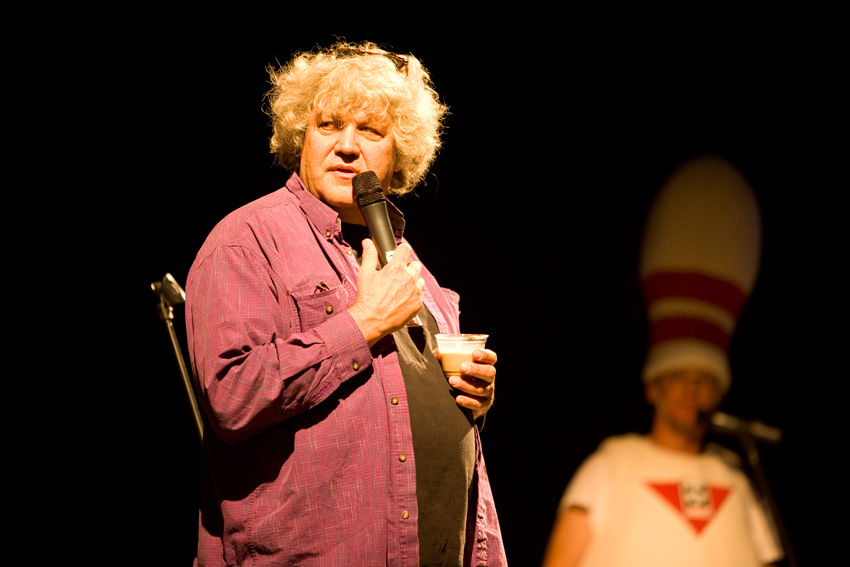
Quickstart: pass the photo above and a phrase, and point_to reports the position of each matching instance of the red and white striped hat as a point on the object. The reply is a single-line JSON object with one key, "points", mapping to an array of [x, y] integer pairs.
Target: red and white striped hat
{"points": [[699, 261]]}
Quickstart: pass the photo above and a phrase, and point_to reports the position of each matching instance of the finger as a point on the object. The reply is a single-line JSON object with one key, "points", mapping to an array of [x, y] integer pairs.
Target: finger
{"points": [[478, 406], [472, 385], [414, 268], [403, 253], [483, 371], [370, 255], [484, 356]]}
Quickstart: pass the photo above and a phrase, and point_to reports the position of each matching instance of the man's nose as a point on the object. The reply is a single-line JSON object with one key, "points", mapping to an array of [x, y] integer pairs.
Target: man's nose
{"points": [[346, 143]]}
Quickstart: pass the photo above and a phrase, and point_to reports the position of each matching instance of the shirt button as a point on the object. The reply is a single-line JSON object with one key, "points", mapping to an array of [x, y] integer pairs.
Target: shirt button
{"points": [[328, 233], [394, 401], [349, 251], [405, 515], [329, 309], [355, 365], [402, 458]]}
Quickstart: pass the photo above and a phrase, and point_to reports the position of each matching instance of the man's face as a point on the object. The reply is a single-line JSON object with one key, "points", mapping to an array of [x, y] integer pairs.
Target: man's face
{"points": [[336, 148], [681, 398]]}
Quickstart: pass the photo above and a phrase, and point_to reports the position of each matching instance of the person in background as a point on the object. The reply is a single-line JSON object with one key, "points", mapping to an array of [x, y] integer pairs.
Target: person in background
{"points": [[664, 499]]}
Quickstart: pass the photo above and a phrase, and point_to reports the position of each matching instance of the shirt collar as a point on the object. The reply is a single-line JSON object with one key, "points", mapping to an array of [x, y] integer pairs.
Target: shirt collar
{"points": [[325, 218]]}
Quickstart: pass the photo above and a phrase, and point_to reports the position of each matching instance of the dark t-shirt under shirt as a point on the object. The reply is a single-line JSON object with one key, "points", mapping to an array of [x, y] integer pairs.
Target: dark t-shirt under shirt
{"points": [[443, 438]]}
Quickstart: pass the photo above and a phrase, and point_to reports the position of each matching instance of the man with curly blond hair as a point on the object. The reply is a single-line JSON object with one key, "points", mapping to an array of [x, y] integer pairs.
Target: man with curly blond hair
{"points": [[332, 435]]}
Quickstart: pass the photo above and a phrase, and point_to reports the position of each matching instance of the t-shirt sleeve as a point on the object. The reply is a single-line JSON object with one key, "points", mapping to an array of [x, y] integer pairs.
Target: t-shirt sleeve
{"points": [[762, 530], [589, 489]]}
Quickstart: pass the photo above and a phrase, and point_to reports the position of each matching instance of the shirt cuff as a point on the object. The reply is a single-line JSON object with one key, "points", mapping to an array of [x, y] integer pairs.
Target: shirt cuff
{"points": [[351, 354]]}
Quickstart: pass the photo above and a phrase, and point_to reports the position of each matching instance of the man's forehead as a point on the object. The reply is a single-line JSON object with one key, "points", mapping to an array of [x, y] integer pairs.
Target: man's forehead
{"points": [[353, 113], [695, 374]]}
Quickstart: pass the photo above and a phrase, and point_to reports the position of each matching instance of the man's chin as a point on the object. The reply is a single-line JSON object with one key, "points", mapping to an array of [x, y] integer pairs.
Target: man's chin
{"points": [[692, 421]]}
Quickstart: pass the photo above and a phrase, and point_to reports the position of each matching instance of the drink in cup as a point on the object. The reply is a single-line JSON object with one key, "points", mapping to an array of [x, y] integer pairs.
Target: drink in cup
{"points": [[455, 349]]}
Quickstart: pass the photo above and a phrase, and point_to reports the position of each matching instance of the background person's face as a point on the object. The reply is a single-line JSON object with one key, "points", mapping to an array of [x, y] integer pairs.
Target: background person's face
{"points": [[681, 398]]}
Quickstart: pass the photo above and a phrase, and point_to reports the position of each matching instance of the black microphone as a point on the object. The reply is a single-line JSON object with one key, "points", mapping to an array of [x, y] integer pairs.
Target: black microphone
{"points": [[731, 425], [373, 205]]}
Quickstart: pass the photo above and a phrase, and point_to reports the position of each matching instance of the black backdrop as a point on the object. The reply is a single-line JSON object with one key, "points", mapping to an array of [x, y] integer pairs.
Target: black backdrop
{"points": [[559, 135]]}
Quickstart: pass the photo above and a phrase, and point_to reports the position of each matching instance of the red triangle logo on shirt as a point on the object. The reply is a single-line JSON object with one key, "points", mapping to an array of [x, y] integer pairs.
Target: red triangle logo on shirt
{"points": [[696, 502]]}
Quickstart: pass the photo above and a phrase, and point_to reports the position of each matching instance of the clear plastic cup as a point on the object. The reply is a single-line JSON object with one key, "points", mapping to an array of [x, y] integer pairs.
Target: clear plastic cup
{"points": [[455, 349]]}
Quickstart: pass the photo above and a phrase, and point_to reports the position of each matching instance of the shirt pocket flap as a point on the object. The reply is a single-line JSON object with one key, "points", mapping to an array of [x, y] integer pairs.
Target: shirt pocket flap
{"points": [[315, 306]]}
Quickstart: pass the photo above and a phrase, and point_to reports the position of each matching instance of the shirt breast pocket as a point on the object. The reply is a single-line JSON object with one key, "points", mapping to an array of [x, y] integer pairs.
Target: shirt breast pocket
{"points": [[315, 306]]}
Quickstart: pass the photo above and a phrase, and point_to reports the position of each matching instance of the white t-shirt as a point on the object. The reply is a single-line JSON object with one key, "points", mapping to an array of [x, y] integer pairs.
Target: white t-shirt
{"points": [[651, 506]]}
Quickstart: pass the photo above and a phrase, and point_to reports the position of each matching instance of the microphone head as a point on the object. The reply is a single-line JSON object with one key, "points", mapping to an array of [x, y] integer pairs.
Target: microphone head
{"points": [[170, 290], [367, 188]]}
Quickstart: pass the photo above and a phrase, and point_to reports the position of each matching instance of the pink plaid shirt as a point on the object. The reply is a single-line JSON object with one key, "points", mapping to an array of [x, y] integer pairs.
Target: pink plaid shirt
{"points": [[308, 453]]}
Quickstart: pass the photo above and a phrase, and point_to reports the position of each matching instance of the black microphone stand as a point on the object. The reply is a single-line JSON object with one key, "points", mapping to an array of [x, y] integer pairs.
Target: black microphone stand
{"points": [[749, 442], [170, 293]]}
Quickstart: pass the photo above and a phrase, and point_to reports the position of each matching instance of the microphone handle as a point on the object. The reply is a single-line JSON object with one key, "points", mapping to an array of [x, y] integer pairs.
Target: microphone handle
{"points": [[376, 216], [378, 222]]}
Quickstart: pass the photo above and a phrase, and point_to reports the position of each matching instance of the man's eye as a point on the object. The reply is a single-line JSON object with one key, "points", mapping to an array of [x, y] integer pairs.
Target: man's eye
{"points": [[370, 131]]}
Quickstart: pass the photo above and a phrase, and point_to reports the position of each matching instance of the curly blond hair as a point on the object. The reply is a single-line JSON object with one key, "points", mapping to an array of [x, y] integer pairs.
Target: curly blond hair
{"points": [[364, 77]]}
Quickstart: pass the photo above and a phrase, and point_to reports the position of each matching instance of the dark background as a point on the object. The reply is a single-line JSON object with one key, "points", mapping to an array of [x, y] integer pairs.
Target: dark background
{"points": [[559, 136]]}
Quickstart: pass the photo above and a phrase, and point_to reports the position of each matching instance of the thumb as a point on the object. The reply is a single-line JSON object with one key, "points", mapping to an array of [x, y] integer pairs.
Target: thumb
{"points": [[369, 259]]}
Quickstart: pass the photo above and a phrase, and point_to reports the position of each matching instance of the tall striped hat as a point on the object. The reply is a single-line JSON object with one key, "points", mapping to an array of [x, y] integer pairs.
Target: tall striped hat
{"points": [[699, 261]]}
